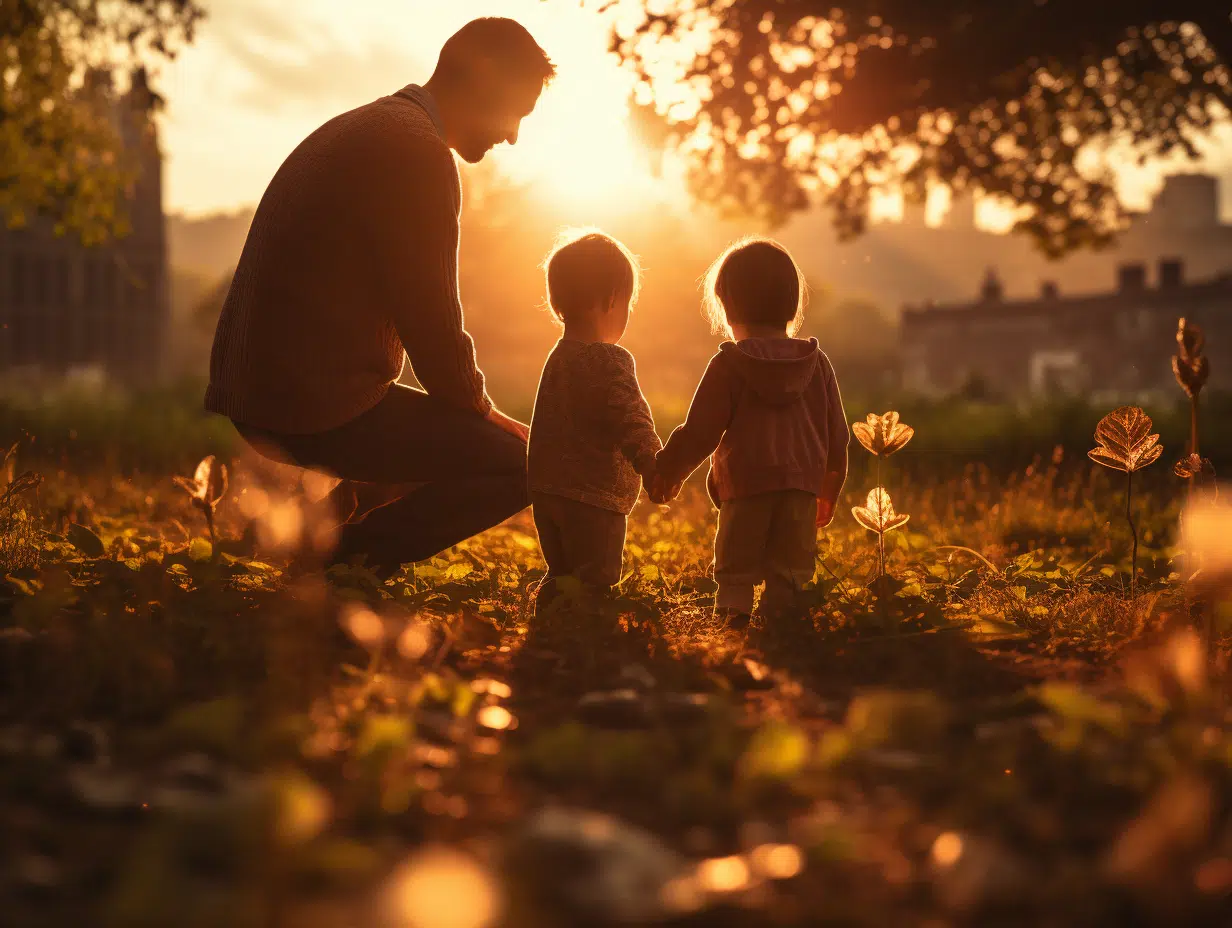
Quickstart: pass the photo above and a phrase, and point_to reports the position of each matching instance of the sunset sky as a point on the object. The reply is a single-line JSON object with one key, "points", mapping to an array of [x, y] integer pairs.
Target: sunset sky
{"points": [[258, 80]]}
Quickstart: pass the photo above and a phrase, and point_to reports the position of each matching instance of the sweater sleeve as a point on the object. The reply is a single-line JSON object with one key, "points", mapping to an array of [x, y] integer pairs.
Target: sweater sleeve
{"points": [[709, 415], [628, 420], [610, 404], [837, 432], [415, 243]]}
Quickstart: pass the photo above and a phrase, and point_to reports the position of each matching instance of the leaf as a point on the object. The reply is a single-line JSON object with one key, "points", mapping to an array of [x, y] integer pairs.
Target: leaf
{"points": [[878, 514], [1193, 466], [882, 435], [208, 484], [1125, 442], [200, 550], [650, 572], [459, 571], [777, 750], [85, 541]]}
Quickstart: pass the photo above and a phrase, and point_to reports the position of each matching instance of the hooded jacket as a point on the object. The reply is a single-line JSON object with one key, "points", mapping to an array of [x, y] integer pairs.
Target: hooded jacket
{"points": [[769, 415]]}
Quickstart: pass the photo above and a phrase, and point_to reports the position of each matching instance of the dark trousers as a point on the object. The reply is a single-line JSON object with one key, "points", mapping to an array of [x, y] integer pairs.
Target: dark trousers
{"points": [[579, 541], [418, 475]]}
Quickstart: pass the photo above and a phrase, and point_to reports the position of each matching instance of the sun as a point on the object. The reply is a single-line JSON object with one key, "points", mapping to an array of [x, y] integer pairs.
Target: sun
{"points": [[577, 149]]}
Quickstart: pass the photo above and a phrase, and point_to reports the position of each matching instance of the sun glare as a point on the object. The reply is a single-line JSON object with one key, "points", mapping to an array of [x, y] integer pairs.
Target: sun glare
{"points": [[577, 147]]}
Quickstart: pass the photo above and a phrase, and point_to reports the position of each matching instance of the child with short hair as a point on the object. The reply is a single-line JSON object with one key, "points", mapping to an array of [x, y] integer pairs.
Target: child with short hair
{"points": [[592, 435], [768, 414]]}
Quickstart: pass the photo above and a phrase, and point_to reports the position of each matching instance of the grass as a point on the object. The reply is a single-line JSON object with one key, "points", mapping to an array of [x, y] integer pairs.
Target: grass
{"points": [[1000, 734]]}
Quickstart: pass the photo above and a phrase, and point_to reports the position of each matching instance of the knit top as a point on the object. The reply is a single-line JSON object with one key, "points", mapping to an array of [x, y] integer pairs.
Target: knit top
{"points": [[592, 435], [349, 267]]}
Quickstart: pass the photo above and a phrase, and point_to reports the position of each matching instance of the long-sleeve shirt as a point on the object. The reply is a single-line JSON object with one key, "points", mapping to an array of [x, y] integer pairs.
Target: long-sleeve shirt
{"points": [[350, 265], [768, 414], [592, 435]]}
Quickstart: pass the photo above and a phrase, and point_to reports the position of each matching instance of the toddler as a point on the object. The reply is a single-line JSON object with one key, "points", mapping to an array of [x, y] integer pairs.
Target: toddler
{"points": [[592, 436], [768, 414]]}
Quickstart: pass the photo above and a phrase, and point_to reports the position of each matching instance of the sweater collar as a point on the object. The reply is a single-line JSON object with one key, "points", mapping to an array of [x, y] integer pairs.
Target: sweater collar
{"points": [[417, 94]]}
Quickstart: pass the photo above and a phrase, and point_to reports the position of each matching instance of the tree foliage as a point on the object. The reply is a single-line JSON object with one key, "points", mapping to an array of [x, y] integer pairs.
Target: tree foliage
{"points": [[61, 150], [780, 104]]}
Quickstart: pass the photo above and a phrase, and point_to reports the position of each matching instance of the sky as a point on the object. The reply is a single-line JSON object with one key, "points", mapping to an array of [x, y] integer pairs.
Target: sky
{"points": [[258, 80]]}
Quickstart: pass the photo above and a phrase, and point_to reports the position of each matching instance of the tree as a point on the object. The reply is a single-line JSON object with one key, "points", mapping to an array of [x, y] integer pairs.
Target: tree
{"points": [[781, 104], [61, 152]]}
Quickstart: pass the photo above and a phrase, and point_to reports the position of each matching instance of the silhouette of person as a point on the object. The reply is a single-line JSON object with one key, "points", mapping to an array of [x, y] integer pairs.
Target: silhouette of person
{"points": [[349, 268]]}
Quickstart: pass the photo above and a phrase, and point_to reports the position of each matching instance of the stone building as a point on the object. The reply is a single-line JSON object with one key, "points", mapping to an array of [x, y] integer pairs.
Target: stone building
{"points": [[1117, 343], [64, 305]]}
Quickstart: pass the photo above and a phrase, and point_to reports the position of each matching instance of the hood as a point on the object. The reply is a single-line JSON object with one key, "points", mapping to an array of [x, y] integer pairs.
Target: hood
{"points": [[776, 370]]}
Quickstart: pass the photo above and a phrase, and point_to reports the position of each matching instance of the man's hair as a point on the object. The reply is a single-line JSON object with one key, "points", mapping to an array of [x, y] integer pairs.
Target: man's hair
{"points": [[501, 43], [754, 281], [587, 268]]}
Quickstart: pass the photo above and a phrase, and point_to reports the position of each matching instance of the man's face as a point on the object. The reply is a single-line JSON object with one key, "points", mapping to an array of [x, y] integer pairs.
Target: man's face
{"points": [[494, 116]]}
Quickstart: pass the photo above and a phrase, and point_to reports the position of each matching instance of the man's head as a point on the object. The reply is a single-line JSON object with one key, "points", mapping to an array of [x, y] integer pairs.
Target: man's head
{"points": [[487, 80]]}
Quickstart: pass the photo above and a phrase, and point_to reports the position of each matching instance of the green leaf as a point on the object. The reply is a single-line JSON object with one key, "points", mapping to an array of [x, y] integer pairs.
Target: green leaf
{"points": [[200, 549], [1073, 703], [459, 571], [85, 541], [777, 750], [383, 733]]}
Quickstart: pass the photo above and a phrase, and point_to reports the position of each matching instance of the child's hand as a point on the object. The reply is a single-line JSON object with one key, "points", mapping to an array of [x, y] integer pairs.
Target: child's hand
{"points": [[825, 512], [658, 490]]}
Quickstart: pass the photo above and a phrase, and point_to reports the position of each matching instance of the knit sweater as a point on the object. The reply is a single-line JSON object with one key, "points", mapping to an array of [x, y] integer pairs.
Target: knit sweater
{"points": [[350, 265], [592, 435], [769, 416]]}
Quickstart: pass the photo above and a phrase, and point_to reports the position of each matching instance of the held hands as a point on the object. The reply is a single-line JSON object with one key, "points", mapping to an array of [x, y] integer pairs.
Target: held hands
{"points": [[658, 489], [519, 430]]}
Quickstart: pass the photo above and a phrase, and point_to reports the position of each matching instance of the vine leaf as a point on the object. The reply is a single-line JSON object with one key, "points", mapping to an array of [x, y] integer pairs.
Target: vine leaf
{"points": [[1124, 440]]}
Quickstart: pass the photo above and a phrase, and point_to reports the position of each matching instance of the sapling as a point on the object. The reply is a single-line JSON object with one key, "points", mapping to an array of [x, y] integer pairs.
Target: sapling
{"points": [[878, 515], [1192, 369], [206, 489], [1125, 443]]}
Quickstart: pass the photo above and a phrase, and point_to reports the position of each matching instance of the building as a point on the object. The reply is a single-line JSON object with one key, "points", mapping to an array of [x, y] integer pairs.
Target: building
{"points": [[1118, 342], [64, 305]]}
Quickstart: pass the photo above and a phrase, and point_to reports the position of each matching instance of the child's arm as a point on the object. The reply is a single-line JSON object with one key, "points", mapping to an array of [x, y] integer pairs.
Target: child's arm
{"points": [[709, 415], [839, 437], [627, 419]]}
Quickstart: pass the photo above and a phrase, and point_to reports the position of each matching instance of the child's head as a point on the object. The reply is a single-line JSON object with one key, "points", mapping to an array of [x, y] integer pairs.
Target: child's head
{"points": [[593, 281], [754, 283]]}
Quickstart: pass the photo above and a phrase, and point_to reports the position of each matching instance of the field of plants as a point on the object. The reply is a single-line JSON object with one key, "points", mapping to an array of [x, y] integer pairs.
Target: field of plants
{"points": [[1004, 703]]}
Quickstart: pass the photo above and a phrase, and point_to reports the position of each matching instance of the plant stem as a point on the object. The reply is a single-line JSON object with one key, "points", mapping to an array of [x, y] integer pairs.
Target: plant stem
{"points": [[1133, 531], [1193, 424], [881, 553]]}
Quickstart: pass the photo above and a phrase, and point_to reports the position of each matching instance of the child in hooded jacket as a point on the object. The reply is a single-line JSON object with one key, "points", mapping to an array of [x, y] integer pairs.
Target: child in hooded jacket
{"points": [[768, 415]]}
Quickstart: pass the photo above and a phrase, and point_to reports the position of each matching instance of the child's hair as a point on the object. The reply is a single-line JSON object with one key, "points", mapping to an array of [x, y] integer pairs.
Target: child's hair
{"points": [[587, 268], [754, 281]]}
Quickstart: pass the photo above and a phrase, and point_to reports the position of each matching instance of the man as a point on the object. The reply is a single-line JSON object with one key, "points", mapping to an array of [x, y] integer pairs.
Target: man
{"points": [[350, 265]]}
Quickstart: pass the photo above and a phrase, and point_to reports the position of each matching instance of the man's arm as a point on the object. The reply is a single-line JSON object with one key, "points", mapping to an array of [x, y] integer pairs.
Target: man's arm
{"points": [[415, 244], [709, 415]]}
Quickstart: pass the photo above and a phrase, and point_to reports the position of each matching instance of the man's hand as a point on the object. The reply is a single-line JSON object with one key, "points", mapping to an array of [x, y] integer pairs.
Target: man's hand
{"points": [[519, 430]]}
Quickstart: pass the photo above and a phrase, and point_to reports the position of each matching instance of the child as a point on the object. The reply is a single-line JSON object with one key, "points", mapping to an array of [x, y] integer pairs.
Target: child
{"points": [[768, 414], [592, 436]]}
